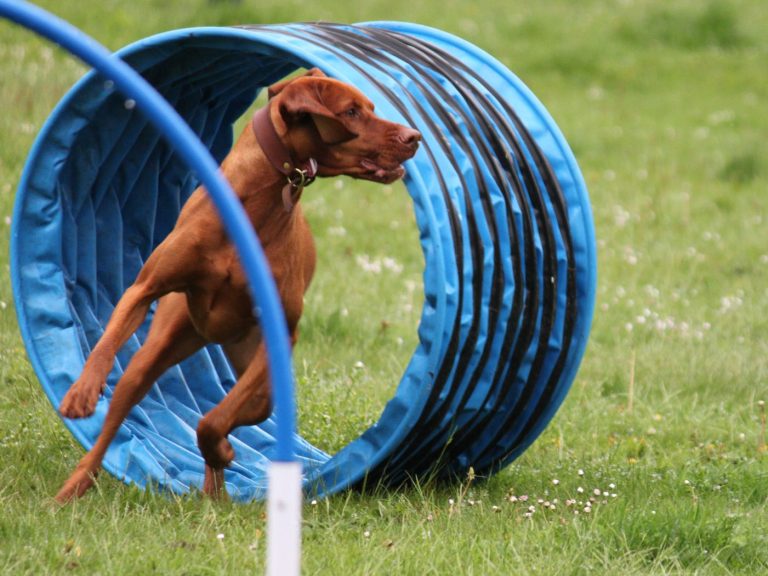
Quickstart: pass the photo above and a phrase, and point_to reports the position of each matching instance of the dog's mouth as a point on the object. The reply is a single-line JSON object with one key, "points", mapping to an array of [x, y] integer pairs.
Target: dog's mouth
{"points": [[381, 166], [381, 173]]}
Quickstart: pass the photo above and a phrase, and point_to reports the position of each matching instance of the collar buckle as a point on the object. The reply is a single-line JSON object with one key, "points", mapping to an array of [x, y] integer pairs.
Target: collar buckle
{"points": [[296, 180]]}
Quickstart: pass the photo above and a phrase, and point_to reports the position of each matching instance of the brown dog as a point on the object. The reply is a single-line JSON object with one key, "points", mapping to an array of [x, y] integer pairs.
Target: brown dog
{"points": [[313, 125]]}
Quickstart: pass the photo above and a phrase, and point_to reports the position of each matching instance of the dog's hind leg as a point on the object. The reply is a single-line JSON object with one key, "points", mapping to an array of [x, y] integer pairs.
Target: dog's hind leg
{"points": [[172, 338]]}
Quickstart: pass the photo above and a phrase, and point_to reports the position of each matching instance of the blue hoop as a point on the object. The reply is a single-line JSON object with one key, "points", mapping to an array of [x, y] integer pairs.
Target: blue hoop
{"points": [[197, 157]]}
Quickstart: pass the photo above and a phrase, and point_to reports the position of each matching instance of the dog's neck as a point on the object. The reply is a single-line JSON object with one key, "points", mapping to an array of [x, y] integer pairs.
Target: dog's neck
{"points": [[299, 172], [263, 188]]}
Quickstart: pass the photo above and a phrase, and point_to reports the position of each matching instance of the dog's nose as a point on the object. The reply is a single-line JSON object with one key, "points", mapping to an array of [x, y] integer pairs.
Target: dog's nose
{"points": [[410, 136]]}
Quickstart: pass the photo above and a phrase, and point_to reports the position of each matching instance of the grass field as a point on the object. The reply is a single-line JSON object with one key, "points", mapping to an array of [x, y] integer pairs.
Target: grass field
{"points": [[666, 107]]}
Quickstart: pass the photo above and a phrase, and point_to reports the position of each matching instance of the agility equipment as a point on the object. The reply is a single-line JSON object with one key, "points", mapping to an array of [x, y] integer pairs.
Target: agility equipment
{"points": [[505, 228]]}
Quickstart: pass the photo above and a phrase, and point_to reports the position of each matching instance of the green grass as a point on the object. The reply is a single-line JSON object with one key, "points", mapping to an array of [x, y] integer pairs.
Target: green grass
{"points": [[664, 104]]}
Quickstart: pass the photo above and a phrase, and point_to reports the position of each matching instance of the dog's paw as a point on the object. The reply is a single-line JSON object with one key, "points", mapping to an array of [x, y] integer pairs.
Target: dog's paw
{"points": [[215, 448], [77, 485], [217, 454], [80, 400]]}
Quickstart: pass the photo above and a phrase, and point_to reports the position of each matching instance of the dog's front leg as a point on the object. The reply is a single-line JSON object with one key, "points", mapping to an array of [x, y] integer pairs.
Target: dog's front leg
{"points": [[163, 272], [248, 403], [80, 400]]}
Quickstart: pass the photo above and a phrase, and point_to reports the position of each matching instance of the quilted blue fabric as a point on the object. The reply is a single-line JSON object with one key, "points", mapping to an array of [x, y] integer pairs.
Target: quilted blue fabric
{"points": [[505, 226]]}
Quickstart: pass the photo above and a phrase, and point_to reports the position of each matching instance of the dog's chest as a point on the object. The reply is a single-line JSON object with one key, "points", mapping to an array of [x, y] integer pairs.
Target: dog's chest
{"points": [[219, 303]]}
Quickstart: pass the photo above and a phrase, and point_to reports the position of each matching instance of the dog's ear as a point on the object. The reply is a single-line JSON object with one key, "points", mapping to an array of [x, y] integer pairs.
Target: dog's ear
{"points": [[304, 98], [278, 87], [331, 130]]}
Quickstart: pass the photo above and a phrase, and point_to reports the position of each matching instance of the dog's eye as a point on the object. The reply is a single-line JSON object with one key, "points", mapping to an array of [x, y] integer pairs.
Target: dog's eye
{"points": [[351, 113]]}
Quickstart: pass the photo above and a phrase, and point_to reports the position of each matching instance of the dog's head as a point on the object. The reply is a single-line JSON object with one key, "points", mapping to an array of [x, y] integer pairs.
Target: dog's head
{"points": [[334, 123]]}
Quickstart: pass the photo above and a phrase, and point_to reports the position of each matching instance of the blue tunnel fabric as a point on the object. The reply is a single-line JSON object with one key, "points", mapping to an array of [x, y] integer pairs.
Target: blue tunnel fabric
{"points": [[505, 228]]}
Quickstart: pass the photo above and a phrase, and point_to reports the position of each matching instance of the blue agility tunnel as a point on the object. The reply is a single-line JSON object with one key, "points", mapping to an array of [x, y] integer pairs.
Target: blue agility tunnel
{"points": [[505, 227]]}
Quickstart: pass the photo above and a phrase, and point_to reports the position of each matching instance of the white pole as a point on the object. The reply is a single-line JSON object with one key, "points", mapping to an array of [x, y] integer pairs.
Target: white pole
{"points": [[284, 502]]}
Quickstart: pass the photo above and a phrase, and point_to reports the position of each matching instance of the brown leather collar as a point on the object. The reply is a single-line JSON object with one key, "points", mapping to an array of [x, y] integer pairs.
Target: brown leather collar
{"points": [[297, 175]]}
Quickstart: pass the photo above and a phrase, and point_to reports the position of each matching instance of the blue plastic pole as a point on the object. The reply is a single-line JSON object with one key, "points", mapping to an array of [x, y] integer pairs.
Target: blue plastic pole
{"points": [[189, 147]]}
